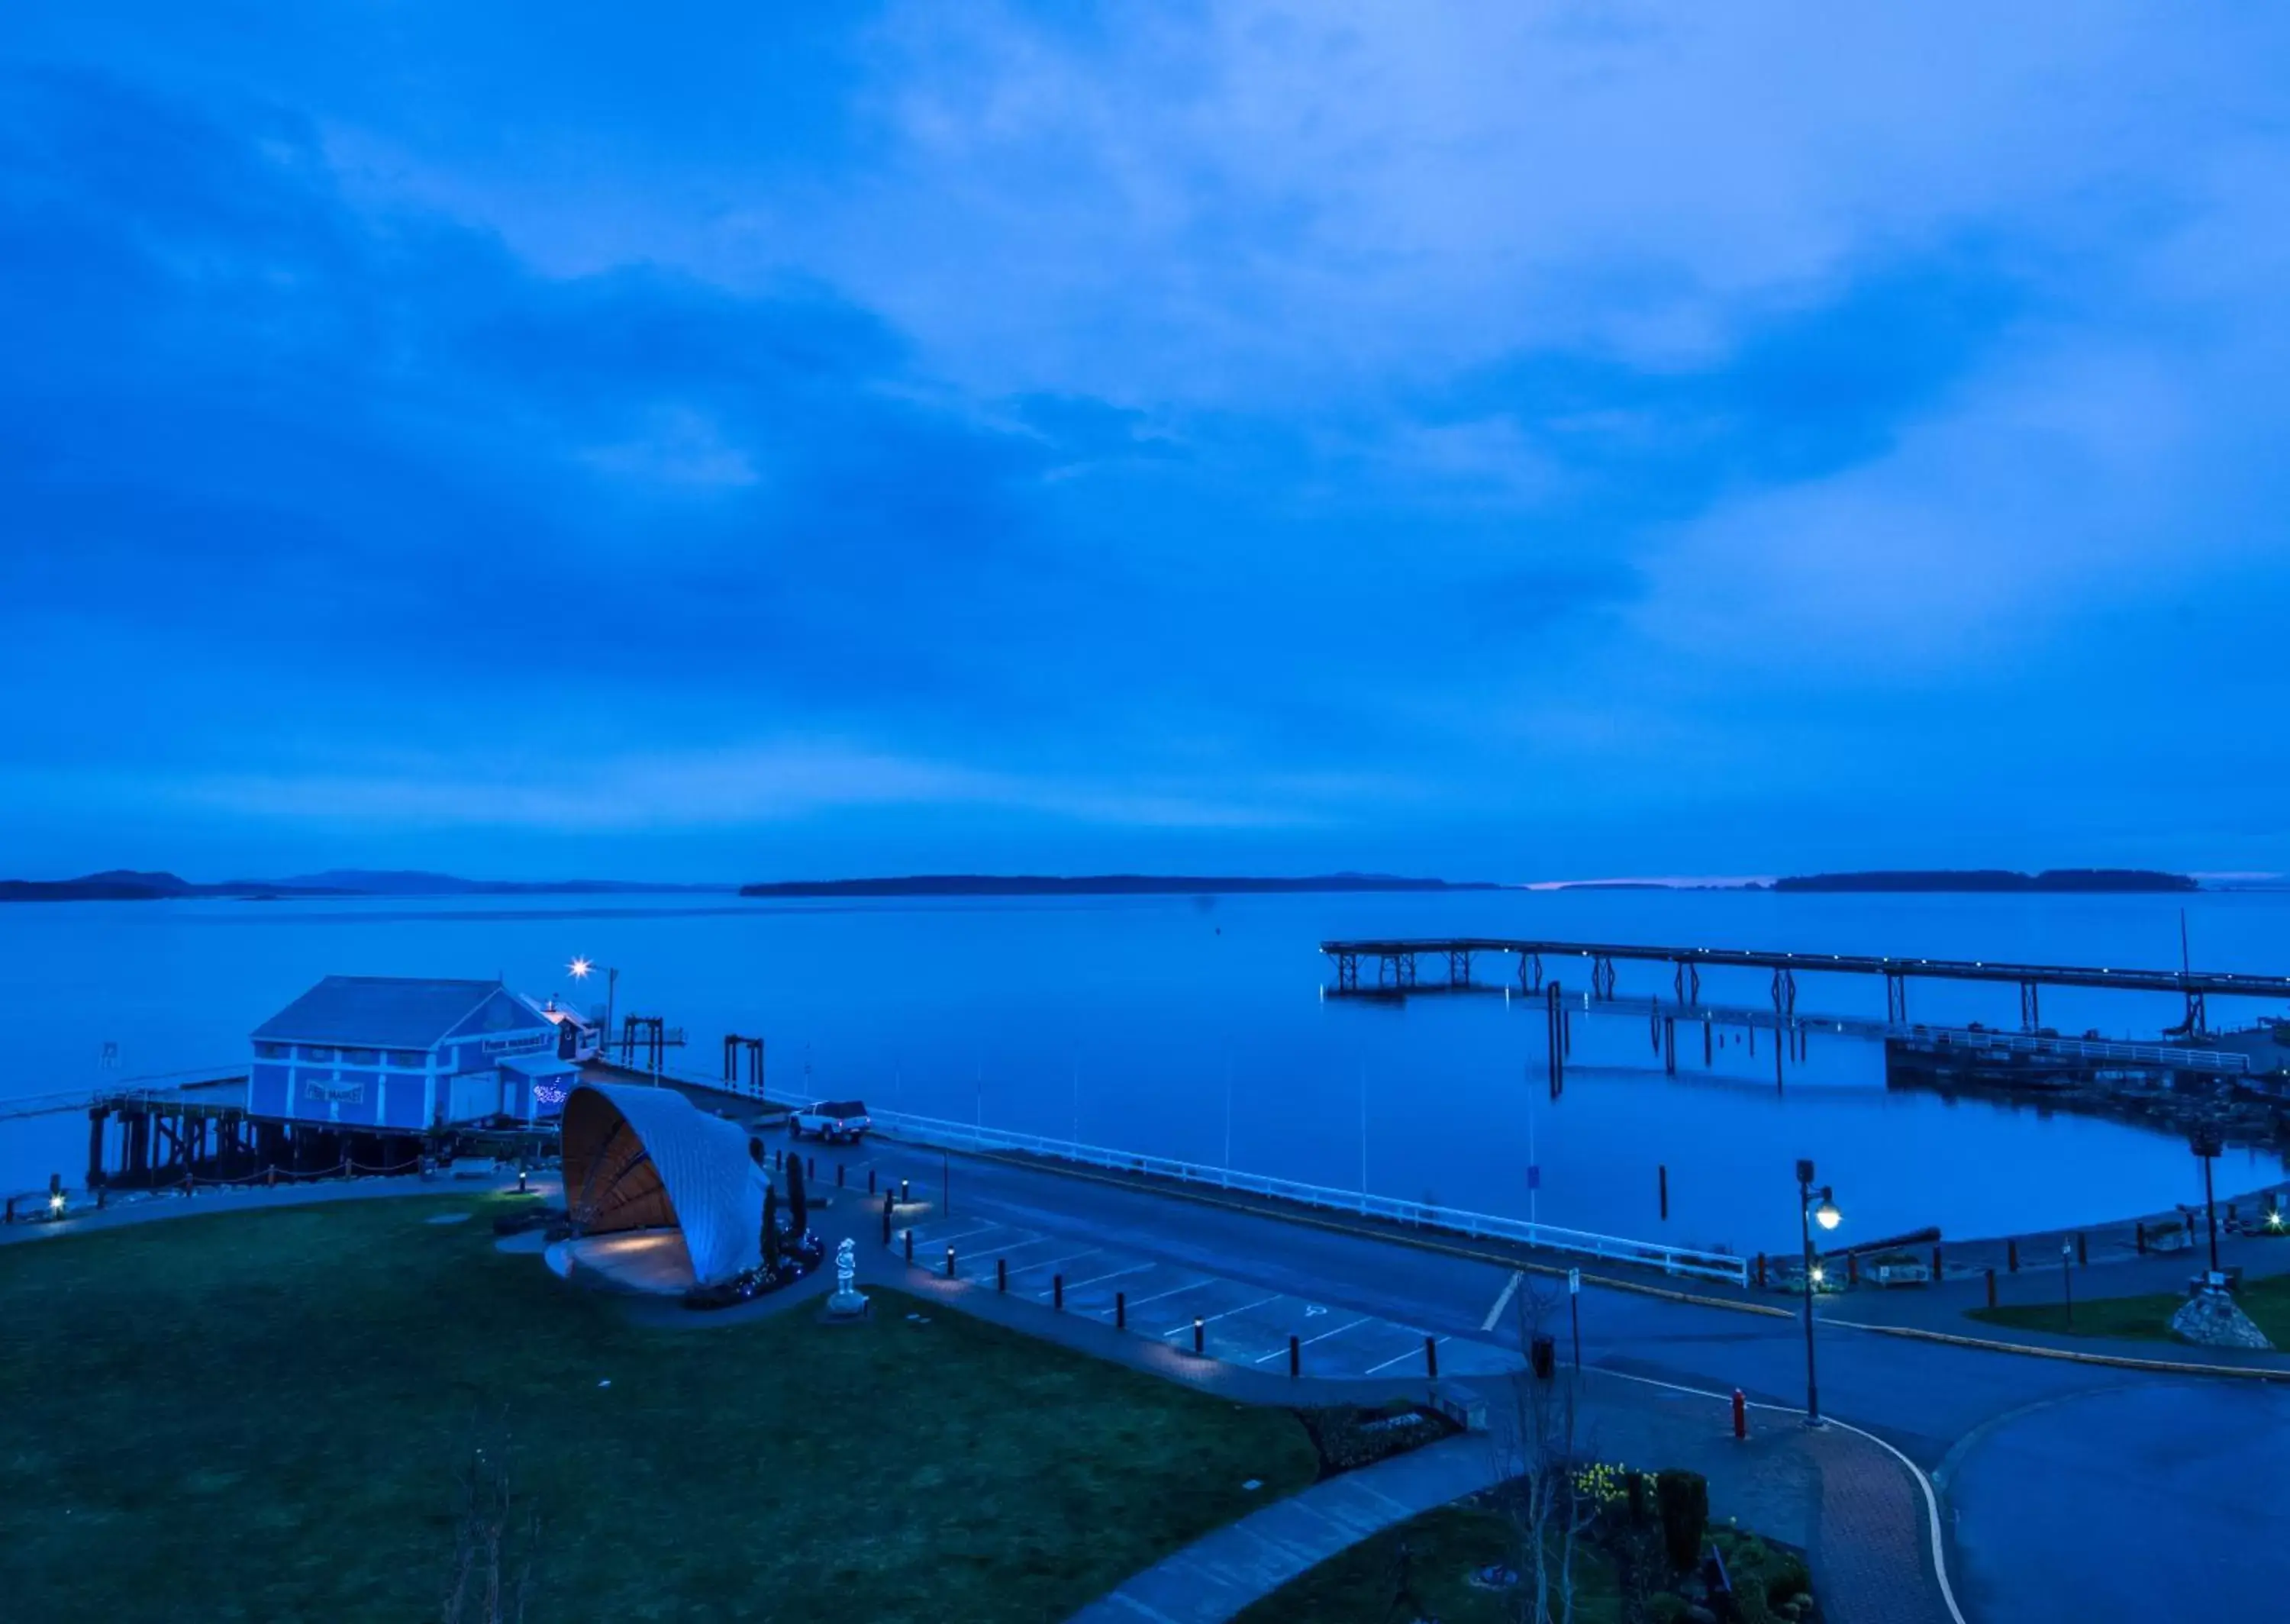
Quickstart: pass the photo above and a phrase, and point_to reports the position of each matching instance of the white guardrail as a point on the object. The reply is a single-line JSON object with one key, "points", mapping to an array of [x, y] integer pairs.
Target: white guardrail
{"points": [[945, 1135], [2224, 1061]]}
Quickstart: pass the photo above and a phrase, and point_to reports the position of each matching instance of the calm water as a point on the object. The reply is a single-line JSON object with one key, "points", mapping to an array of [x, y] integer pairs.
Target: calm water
{"points": [[1182, 1026]]}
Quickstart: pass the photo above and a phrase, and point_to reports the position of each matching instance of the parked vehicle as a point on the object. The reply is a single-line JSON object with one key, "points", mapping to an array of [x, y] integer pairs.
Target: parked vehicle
{"points": [[836, 1121]]}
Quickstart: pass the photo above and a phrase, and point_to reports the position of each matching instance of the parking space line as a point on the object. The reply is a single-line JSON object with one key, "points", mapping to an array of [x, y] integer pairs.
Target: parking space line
{"points": [[1195, 1286], [1089, 1252], [947, 1240], [1323, 1337], [1411, 1353], [1211, 1319], [1039, 1240], [1135, 1268], [1503, 1301]]}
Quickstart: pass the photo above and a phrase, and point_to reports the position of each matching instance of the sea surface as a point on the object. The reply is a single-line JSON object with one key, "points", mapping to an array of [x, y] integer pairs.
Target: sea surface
{"points": [[1197, 1028]]}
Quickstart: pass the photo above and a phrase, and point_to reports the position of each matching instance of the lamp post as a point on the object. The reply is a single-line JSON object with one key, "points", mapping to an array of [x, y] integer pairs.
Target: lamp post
{"points": [[2206, 1143], [2067, 1281], [1813, 1207], [581, 968]]}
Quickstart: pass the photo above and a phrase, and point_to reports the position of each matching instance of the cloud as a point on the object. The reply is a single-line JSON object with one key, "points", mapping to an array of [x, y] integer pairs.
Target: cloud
{"points": [[1397, 425]]}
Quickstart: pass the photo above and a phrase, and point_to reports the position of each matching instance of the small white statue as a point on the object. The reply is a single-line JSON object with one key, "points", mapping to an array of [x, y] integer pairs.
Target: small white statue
{"points": [[848, 1300]]}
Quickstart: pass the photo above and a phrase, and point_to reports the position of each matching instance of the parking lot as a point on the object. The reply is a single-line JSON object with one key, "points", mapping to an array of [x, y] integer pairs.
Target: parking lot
{"points": [[1240, 1324]]}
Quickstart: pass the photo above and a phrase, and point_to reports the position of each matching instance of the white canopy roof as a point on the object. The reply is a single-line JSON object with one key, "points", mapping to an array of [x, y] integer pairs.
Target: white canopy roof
{"points": [[639, 1157]]}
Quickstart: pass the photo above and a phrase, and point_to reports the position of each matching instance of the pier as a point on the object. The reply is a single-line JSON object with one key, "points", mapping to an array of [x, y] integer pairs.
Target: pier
{"points": [[1396, 972], [1400, 963]]}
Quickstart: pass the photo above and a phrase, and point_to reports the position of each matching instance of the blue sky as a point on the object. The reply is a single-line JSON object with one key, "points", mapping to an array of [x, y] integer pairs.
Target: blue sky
{"points": [[719, 442]]}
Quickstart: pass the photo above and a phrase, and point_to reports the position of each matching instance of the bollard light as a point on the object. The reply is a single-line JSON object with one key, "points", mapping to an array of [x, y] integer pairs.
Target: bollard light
{"points": [[520, 1182], [1200, 1333], [56, 1204]]}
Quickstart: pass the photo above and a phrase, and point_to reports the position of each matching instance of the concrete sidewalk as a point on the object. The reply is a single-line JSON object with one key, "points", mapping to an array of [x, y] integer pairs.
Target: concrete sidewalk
{"points": [[1857, 1510], [1854, 1509]]}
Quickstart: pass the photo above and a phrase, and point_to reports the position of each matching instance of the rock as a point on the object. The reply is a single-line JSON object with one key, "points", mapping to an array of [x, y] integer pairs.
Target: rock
{"points": [[1699, 1614], [2214, 1319]]}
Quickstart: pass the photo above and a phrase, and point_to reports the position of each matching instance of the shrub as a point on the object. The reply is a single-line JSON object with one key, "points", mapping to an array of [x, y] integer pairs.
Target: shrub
{"points": [[798, 1209], [1684, 1499], [1347, 1438], [771, 1230]]}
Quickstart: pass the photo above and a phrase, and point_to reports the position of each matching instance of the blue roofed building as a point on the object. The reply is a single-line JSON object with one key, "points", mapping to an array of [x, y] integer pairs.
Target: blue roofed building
{"points": [[386, 1052]]}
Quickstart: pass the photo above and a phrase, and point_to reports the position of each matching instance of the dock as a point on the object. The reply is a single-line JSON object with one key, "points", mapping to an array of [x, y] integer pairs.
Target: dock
{"points": [[1955, 1051]]}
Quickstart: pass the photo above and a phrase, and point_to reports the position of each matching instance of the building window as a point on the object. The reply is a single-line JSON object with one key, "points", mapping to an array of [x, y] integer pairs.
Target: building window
{"points": [[361, 1057], [271, 1051], [407, 1059], [310, 1054]]}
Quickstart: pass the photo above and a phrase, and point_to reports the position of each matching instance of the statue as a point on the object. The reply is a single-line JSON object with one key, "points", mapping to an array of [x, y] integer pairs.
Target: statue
{"points": [[847, 1300]]}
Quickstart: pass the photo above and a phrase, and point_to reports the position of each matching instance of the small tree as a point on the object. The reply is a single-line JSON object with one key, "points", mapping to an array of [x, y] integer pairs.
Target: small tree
{"points": [[771, 1230], [493, 1542], [798, 1210], [1539, 1453]]}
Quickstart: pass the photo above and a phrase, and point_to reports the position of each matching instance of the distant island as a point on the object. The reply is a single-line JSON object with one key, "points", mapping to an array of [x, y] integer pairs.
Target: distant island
{"points": [[137, 885], [1992, 880], [1099, 885]]}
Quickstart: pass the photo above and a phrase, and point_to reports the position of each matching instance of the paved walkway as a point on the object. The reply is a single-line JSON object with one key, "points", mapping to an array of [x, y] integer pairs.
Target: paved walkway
{"points": [[1217, 1575]]}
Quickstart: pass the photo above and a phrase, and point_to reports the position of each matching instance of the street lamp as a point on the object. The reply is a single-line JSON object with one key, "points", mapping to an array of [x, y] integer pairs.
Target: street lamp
{"points": [[1813, 1207], [581, 968], [2067, 1281]]}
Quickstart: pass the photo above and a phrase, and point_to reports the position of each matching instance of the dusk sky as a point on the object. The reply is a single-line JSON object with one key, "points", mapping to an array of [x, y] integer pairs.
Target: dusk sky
{"points": [[735, 441]]}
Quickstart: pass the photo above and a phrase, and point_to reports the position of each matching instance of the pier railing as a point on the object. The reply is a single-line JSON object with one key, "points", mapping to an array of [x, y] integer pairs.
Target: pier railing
{"points": [[2224, 1061], [1415, 1214]]}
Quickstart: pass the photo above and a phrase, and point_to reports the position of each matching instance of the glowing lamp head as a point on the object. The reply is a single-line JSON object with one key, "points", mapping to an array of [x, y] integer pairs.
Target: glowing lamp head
{"points": [[1819, 1274], [56, 1202], [2274, 1219], [1826, 1214], [580, 967]]}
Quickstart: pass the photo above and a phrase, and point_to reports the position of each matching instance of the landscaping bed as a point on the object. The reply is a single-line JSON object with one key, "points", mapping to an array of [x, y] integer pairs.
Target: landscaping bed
{"points": [[1348, 1436], [270, 1415], [2145, 1318], [1465, 1563]]}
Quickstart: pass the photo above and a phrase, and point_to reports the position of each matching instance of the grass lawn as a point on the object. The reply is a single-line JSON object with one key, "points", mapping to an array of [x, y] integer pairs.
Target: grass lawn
{"points": [[261, 1416], [2146, 1319], [1446, 1547]]}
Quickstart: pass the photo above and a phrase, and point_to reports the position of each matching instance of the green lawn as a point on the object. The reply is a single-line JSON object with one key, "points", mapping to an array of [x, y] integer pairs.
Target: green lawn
{"points": [[2146, 1319], [261, 1416], [1447, 1546]]}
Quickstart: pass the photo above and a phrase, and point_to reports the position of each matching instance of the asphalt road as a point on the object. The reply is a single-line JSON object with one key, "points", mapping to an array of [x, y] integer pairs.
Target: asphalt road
{"points": [[2070, 1491]]}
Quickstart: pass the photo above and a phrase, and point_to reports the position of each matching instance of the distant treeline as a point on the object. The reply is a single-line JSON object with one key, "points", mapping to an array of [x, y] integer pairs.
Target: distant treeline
{"points": [[1096, 886], [1992, 880], [136, 885]]}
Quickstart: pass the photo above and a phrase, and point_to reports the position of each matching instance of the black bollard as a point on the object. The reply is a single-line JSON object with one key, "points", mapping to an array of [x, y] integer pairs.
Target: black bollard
{"points": [[949, 1262], [870, 1181], [1661, 1174], [1200, 1334], [1991, 1288], [838, 1175], [910, 1246], [1001, 1274], [1058, 1293], [1121, 1311], [1296, 1356], [886, 1226], [1431, 1357], [811, 1168]]}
